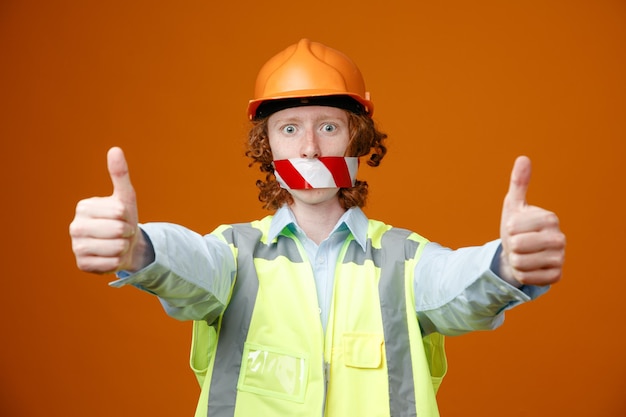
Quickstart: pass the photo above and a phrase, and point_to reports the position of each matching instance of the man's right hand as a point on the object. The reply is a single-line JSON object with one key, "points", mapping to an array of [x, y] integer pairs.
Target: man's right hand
{"points": [[105, 235]]}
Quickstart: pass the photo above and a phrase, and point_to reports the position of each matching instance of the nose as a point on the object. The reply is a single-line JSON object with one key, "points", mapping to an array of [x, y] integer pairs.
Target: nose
{"points": [[310, 146]]}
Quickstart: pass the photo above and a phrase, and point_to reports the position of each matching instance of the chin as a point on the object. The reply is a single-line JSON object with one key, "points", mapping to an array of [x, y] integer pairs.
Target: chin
{"points": [[314, 195]]}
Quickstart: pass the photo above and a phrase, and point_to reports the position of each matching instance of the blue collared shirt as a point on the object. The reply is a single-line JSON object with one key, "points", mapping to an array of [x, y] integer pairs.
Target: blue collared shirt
{"points": [[455, 291]]}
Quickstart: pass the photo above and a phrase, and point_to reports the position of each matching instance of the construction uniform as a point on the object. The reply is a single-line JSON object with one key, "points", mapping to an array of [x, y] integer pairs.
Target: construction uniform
{"points": [[269, 341]]}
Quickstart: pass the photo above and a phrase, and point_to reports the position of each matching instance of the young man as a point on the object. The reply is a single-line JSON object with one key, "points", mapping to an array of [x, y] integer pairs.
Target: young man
{"points": [[317, 310]]}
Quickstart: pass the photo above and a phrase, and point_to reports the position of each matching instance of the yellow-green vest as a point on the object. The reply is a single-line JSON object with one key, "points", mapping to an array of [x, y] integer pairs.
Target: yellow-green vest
{"points": [[267, 354]]}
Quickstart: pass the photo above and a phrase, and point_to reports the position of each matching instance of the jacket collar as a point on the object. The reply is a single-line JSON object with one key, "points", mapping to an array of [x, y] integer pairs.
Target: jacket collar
{"points": [[354, 219]]}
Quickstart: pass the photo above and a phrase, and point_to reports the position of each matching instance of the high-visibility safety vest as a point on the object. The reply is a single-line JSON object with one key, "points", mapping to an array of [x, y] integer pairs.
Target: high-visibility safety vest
{"points": [[267, 354]]}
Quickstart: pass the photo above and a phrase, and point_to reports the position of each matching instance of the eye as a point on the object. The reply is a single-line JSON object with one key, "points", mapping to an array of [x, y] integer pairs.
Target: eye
{"points": [[289, 129], [329, 127]]}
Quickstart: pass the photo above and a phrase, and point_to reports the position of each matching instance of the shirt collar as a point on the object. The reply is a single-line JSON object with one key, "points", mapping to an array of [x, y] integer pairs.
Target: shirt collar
{"points": [[354, 219]]}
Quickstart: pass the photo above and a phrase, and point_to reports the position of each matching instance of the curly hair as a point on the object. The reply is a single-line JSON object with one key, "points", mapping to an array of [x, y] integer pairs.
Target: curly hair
{"points": [[365, 139]]}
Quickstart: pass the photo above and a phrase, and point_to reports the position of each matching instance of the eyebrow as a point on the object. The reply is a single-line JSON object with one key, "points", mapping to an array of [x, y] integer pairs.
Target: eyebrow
{"points": [[317, 119]]}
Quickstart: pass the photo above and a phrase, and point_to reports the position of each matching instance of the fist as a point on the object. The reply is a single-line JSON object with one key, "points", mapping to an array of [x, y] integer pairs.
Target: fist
{"points": [[104, 232], [533, 246]]}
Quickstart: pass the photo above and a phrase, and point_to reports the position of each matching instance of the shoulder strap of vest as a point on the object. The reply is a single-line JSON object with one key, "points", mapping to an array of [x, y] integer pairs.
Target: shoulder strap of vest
{"points": [[395, 238], [204, 336]]}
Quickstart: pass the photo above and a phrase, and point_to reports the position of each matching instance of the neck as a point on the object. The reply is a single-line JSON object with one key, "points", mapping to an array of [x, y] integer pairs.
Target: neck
{"points": [[318, 220]]}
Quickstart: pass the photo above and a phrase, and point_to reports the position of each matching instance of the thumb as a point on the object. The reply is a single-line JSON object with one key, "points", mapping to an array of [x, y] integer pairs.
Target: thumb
{"points": [[520, 178], [118, 170]]}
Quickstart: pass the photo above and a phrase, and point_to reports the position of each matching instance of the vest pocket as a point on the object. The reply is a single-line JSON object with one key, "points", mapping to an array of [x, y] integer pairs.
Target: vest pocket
{"points": [[274, 372], [362, 350], [202, 348], [436, 356]]}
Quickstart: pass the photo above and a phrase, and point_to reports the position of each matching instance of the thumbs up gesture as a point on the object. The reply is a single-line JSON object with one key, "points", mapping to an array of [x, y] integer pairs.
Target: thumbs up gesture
{"points": [[533, 246], [104, 232]]}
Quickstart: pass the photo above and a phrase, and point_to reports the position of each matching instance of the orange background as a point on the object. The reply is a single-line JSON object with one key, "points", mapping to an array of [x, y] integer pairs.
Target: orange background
{"points": [[460, 87]]}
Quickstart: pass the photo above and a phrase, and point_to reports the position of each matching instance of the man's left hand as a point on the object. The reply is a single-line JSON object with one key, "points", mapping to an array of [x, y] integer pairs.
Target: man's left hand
{"points": [[533, 246]]}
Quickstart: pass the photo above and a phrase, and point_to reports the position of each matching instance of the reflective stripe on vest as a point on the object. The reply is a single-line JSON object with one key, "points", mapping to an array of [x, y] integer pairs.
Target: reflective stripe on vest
{"points": [[246, 371]]}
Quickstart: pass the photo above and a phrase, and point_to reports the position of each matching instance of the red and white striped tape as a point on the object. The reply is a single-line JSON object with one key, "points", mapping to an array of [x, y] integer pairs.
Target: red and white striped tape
{"points": [[324, 172]]}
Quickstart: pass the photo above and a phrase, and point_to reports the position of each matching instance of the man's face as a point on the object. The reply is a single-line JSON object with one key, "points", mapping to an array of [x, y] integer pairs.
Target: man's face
{"points": [[309, 132]]}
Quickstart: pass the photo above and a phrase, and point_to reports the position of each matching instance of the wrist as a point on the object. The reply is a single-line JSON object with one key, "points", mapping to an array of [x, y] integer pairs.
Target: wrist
{"points": [[142, 252], [501, 267]]}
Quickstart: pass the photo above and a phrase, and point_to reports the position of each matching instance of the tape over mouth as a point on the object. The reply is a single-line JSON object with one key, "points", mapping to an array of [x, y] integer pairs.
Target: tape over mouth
{"points": [[323, 172]]}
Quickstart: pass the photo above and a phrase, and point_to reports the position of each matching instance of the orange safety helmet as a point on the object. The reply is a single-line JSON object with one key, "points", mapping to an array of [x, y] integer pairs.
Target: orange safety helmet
{"points": [[309, 70]]}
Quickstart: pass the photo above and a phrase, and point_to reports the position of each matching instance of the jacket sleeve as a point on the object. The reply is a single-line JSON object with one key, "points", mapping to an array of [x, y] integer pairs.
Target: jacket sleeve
{"points": [[456, 291], [191, 274]]}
